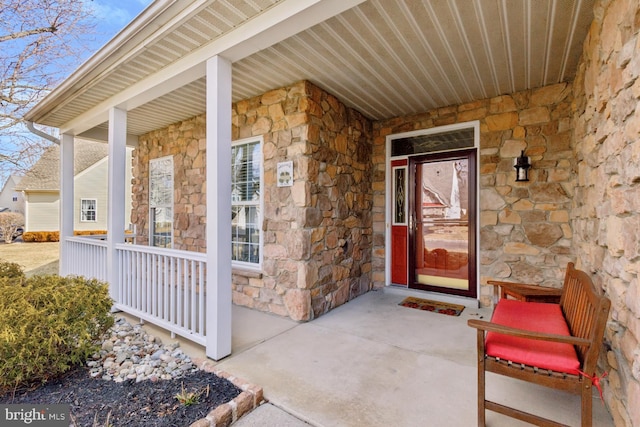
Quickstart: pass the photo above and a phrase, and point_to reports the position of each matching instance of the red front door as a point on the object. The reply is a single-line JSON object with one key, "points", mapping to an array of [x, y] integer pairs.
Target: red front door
{"points": [[442, 213]]}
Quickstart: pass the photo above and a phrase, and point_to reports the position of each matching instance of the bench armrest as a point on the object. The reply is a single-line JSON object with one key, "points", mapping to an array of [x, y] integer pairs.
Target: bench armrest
{"points": [[483, 325], [522, 290]]}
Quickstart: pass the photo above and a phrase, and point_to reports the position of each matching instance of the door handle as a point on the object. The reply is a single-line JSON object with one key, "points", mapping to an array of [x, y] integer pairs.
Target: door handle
{"points": [[413, 225]]}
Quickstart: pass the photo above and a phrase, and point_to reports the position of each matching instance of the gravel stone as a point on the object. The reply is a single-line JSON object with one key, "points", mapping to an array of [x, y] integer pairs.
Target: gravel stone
{"points": [[129, 352]]}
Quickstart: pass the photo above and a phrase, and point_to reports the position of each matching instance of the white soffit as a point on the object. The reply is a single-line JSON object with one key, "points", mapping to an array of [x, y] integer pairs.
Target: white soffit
{"points": [[389, 58], [385, 58]]}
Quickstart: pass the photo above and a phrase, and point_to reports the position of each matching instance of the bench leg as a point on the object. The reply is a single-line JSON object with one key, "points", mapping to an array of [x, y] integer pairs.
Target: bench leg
{"points": [[481, 379], [586, 403]]}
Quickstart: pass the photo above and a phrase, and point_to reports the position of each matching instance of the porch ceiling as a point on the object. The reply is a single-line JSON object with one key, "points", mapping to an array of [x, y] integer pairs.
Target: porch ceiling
{"points": [[385, 58]]}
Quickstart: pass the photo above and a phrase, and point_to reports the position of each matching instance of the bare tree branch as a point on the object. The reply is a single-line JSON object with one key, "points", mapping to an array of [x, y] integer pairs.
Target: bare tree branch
{"points": [[22, 34], [41, 42]]}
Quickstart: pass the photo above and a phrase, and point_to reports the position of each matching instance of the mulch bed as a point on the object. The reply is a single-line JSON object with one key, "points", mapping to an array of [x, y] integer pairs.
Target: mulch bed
{"points": [[131, 404]]}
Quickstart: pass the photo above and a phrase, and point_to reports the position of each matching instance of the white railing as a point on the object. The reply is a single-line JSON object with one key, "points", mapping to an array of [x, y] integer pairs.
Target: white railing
{"points": [[164, 287], [86, 257]]}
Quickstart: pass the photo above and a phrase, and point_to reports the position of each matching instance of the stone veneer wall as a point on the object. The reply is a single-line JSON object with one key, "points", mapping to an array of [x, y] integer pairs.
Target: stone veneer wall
{"points": [[186, 142], [525, 234], [606, 206], [317, 234]]}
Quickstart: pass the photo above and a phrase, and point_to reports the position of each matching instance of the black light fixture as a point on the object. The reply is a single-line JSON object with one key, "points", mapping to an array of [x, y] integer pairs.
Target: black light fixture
{"points": [[522, 166]]}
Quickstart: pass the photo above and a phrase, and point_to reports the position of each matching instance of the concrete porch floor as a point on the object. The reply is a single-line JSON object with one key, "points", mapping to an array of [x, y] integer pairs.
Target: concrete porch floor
{"points": [[372, 363]]}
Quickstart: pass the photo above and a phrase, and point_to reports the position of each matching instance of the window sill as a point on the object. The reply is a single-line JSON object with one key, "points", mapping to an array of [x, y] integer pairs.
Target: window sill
{"points": [[245, 272]]}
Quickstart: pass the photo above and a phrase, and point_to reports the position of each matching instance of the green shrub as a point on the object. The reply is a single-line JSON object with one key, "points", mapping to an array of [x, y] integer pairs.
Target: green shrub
{"points": [[11, 270], [48, 324]]}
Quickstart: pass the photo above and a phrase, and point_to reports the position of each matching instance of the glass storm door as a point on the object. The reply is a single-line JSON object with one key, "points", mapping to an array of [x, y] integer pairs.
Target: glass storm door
{"points": [[442, 224]]}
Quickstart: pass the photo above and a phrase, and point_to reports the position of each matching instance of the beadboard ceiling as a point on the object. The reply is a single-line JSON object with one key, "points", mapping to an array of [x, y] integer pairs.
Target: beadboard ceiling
{"points": [[385, 58]]}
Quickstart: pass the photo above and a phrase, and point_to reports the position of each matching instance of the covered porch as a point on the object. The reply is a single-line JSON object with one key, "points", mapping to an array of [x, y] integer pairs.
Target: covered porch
{"points": [[361, 364], [303, 79], [319, 86]]}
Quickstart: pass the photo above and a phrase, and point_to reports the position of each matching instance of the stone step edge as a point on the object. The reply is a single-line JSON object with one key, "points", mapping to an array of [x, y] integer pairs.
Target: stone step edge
{"points": [[226, 414]]}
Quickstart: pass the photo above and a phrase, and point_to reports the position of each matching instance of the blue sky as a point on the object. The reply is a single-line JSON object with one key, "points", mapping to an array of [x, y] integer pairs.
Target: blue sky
{"points": [[112, 16]]}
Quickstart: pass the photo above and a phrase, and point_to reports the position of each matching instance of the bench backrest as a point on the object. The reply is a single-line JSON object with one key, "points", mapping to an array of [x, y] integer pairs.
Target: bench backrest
{"points": [[586, 314]]}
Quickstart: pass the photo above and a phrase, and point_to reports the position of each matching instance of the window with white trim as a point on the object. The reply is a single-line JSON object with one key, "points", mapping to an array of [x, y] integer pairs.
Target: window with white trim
{"points": [[161, 202], [88, 210], [246, 202]]}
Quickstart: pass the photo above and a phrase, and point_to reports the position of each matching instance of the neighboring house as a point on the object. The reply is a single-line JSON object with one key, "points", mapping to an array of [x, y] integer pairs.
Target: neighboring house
{"points": [[41, 189], [10, 199], [279, 144]]}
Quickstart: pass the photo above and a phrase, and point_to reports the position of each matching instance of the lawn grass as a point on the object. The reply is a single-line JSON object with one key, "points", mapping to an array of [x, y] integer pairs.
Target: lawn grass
{"points": [[35, 258]]}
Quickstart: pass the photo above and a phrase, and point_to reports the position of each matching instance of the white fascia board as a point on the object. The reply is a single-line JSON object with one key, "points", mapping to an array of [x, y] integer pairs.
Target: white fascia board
{"points": [[284, 20]]}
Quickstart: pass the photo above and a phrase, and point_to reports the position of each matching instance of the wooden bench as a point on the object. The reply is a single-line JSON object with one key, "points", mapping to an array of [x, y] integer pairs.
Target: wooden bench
{"points": [[554, 345]]}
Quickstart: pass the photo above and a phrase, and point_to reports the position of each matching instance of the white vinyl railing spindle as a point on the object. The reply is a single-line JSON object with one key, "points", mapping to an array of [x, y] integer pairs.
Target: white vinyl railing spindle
{"points": [[192, 290], [180, 293], [201, 297], [146, 302], [135, 266], [185, 295], [153, 309], [165, 288], [173, 290]]}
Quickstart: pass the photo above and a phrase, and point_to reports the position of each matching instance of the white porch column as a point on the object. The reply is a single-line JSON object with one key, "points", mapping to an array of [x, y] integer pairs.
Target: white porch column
{"points": [[66, 199], [218, 326], [116, 209]]}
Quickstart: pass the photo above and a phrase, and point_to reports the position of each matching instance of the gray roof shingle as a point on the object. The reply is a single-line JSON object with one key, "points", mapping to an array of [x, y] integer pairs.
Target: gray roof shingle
{"points": [[45, 174]]}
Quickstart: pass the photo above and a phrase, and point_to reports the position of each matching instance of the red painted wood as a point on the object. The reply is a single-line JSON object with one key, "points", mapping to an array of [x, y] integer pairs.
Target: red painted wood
{"points": [[399, 245], [399, 254]]}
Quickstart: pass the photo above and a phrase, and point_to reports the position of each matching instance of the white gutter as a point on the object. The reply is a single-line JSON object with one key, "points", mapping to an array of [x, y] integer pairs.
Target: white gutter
{"points": [[41, 134]]}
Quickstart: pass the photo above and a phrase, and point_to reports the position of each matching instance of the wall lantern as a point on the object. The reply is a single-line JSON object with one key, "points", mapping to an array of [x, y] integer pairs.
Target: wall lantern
{"points": [[522, 166]]}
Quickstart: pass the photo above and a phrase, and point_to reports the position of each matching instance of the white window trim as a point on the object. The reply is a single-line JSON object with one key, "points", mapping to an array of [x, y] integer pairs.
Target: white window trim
{"points": [[82, 210], [248, 265], [170, 204]]}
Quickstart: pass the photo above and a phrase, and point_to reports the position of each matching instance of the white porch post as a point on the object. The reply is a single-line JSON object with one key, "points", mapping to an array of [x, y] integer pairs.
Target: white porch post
{"points": [[66, 199], [116, 209], [218, 301]]}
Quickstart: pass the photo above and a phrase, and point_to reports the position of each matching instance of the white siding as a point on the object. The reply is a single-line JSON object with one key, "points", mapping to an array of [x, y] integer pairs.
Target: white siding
{"points": [[91, 184], [42, 210], [8, 193]]}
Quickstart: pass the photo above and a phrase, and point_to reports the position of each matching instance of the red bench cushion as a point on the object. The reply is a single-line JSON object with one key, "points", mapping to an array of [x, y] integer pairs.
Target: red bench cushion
{"points": [[538, 317]]}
